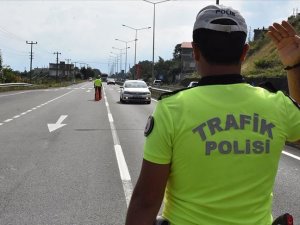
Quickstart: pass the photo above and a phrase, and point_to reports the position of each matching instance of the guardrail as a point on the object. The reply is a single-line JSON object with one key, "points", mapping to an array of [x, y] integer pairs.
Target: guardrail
{"points": [[156, 92], [15, 85]]}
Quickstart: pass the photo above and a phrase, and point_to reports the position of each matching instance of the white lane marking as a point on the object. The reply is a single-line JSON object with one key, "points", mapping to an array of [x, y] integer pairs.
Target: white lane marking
{"points": [[15, 94], [54, 126], [88, 91], [110, 118], [291, 155], [124, 172], [34, 108]]}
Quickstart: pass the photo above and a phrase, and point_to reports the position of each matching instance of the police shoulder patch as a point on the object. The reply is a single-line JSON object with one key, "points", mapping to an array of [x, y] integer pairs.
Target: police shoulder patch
{"points": [[149, 126]]}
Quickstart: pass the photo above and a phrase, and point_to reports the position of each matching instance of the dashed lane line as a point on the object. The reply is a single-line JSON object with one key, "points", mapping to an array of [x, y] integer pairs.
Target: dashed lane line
{"points": [[34, 108]]}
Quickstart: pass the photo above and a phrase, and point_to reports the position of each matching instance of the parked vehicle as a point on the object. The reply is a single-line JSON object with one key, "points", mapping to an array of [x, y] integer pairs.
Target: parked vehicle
{"points": [[193, 84], [135, 91], [111, 81], [157, 82]]}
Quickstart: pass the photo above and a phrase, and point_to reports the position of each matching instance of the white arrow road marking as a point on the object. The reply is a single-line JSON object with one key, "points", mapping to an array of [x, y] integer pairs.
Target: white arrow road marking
{"points": [[58, 124]]}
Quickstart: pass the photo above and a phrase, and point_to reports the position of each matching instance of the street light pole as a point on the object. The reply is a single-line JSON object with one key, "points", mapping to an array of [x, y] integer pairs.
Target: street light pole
{"points": [[121, 49], [154, 4], [116, 66], [136, 30], [126, 42]]}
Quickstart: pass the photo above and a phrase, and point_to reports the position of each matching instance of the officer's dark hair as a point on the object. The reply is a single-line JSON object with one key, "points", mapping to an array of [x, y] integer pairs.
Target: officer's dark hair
{"points": [[220, 47]]}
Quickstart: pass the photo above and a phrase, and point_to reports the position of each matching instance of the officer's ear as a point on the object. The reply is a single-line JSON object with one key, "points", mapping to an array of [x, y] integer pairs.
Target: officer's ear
{"points": [[244, 53], [196, 52]]}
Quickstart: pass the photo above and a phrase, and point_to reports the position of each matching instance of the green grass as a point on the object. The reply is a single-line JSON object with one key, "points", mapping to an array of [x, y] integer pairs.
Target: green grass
{"points": [[262, 58]]}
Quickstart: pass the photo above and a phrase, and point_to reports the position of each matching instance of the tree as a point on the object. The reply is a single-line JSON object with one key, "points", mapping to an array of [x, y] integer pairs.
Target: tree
{"points": [[146, 70], [9, 76], [177, 52], [97, 72], [1, 74], [87, 72]]}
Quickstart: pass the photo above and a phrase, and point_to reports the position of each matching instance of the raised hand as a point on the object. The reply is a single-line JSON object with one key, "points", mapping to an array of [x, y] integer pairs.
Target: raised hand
{"points": [[287, 42]]}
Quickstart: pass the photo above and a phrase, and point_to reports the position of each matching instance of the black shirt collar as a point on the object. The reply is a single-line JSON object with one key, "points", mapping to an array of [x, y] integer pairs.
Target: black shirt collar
{"points": [[221, 79]]}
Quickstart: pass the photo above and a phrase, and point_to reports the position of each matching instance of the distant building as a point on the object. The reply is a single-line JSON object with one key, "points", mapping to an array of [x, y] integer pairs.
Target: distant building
{"points": [[258, 33], [40, 72], [61, 70], [187, 60]]}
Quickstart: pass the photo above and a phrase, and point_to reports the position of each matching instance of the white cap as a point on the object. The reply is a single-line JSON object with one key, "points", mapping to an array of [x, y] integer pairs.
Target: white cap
{"points": [[210, 13]]}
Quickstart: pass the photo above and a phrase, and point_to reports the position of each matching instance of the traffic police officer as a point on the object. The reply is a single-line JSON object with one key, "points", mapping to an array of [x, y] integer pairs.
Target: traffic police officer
{"points": [[98, 86], [212, 151]]}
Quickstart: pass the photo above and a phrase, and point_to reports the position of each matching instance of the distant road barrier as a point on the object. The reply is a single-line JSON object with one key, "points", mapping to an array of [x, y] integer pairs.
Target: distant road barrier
{"points": [[156, 92], [15, 85]]}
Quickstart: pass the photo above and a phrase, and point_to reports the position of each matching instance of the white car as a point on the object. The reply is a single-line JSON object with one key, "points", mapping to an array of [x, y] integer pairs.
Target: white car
{"points": [[193, 84], [135, 91]]}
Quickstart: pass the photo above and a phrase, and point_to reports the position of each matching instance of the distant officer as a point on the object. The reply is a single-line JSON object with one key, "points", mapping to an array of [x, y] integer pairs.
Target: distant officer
{"points": [[212, 151], [98, 86]]}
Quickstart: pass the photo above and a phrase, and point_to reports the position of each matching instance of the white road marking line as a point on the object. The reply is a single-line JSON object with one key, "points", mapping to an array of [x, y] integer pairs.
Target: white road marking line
{"points": [[124, 172], [291, 155], [15, 94], [88, 91], [34, 108], [110, 118]]}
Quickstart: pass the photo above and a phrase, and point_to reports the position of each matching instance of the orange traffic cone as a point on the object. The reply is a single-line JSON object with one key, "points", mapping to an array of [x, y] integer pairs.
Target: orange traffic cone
{"points": [[97, 95]]}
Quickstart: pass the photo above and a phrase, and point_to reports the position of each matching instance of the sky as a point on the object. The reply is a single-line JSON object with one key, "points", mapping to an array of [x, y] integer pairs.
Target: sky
{"points": [[84, 31]]}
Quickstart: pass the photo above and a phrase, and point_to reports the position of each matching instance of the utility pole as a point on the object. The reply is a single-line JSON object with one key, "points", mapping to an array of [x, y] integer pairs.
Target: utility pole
{"points": [[68, 66], [31, 56], [56, 53]]}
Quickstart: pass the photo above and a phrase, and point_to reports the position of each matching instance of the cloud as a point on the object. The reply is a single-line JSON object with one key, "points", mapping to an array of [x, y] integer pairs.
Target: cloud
{"points": [[86, 30]]}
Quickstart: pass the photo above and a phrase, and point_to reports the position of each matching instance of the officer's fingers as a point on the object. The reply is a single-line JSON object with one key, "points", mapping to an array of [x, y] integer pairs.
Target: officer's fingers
{"points": [[273, 38], [274, 35], [297, 40], [282, 31], [289, 28]]}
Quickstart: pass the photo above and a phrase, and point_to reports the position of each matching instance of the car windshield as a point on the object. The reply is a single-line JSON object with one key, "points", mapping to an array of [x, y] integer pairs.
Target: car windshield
{"points": [[135, 85]]}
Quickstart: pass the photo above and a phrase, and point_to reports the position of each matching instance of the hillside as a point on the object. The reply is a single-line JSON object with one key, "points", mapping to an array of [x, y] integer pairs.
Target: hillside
{"points": [[262, 58]]}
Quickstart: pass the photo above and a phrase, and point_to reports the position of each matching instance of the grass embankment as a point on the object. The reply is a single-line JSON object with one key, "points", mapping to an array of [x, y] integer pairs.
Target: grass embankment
{"points": [[262, 58]]}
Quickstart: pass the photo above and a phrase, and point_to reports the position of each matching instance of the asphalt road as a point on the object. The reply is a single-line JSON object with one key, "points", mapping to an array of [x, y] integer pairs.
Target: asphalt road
{"points": [[83, 172]]}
